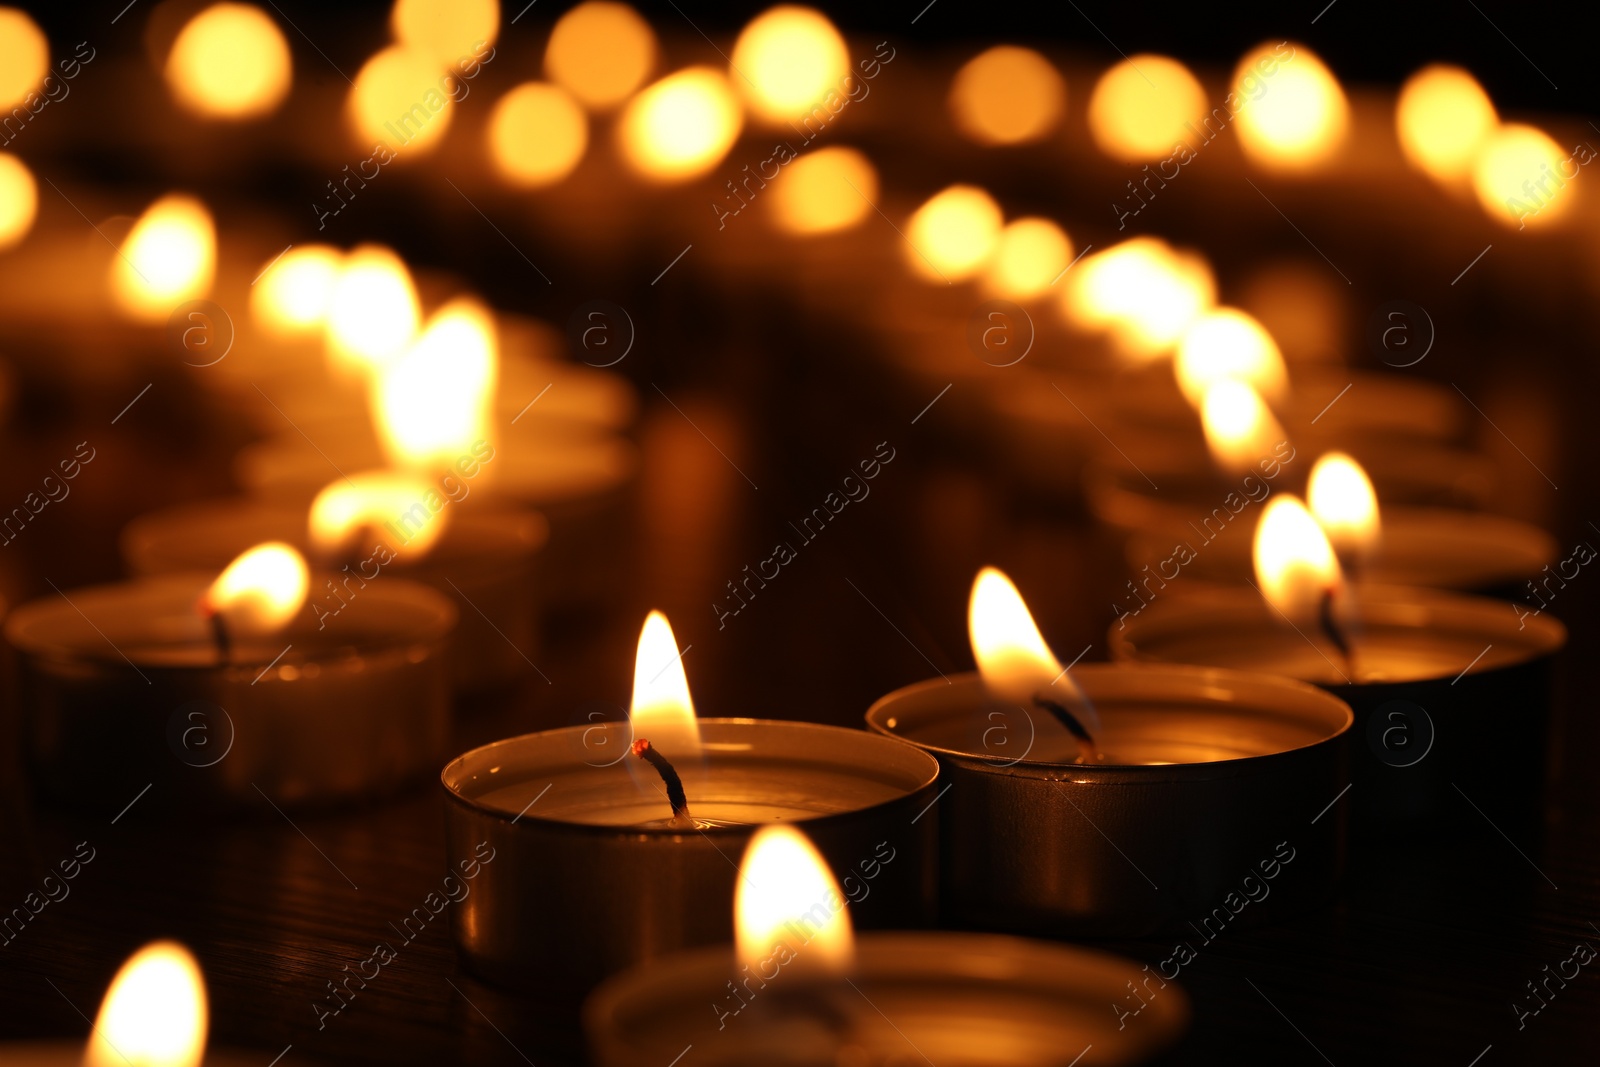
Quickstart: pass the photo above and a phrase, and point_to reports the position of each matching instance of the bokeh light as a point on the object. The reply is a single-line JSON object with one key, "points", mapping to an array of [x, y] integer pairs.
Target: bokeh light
{"points": [[24, 56], [230, 62], [373, 311], [1229, 344], [681, 126], [1442, 118], [19, 200], [169, 256], [537, 134], [1030, 255], [1139, 108], [786, 62], [400, 98], [1292, 113], [292, 296], [1007, 95], [1520, 176], [823, 191], [953, 234], [446, 30], [600, 52]]}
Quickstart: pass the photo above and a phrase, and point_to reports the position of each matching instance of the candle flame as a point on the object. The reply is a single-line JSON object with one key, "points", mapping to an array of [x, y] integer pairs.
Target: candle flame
{"points": [[537, 135], [600, 52], [681, 126], [1229, 344], [1013, 659], [260, 591], [154, 1014], [1293, 114], [170, 256], [432, 403], [1144, 292], [1008, 95], [1295, 566], [787, 908], [372, 311], [1138, 109], [365, 502], [1030, 256], [951, 236], [1240, 429], [787, 60], [400, 98], [1342, 499], [825, 191], [1520, 176], [229, 62], [292, 296], [662, 710], [1442, 117]]}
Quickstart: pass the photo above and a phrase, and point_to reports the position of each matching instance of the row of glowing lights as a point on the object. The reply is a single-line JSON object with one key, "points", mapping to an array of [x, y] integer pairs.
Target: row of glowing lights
{"points": [[230, 61]]}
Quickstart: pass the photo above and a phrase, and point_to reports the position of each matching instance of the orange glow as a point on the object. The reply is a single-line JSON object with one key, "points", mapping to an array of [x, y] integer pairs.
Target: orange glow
{"points": [[786, 62], [24, 57], [291, 297], [400, 98], [154, 1014], [169, 256], [230, 62], [1298, 118], [1295, 565], [445, 30], [1520, 176], [953, 234], [680, 127], [787, 909], [661, 709], [600, 52], [433, 402], [361, 503], [1007, 95], [1344, 504], [1141, 291], [1229, 344], [19, 200], [1139, 108], [372, 311], [824, 191], [1442, 118], [1031, 254], [1240, 429], [260, 591], [537, 134]]}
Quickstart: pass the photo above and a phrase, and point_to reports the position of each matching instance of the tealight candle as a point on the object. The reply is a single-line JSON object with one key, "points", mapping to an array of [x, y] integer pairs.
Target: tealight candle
{"points": [[642, 849], [1114, 800], [1443, 685], [218, 692], [799, 987]]}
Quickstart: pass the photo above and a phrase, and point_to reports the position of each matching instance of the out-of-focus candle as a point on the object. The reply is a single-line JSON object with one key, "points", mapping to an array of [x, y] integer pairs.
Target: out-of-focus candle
{"points": [[1029, 256], [292, 297], [353, 508], [170, 255], [400, 98], [1229, 344], [1292, 114], [1239, 427], [1007, 95], [824, 191], [1140, 108], [1442, 117], [19, 200], [24, 56], [373, 311], [1143, 292], [781, 879], [600, 52], [786, 61], [952, 235], [537, 134], [445, 30], [258, 593], [230, 62], [1520, 175], [1342, 500], [681, 126], [1296, 568], [154, 1014], [434, 401]]}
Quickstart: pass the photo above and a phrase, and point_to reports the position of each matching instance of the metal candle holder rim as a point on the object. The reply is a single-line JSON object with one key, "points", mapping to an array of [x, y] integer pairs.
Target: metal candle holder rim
{"points": [[450, 779], [1305, 692]]}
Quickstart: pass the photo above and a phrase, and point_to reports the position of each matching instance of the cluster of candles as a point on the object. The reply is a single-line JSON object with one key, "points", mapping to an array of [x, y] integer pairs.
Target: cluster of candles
{"points": [[382, 566]]}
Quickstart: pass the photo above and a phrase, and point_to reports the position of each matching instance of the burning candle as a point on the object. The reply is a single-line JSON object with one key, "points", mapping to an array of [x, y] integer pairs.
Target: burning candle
{"points": [[1110, 800], [207, 689], [643, 843], [170, 256], [1433, 677], [799, 986]]}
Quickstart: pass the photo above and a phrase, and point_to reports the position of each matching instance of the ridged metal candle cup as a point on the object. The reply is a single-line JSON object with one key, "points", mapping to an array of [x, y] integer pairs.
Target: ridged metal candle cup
{"points": [[1451, 693], [1211, 778], [581, 877]]}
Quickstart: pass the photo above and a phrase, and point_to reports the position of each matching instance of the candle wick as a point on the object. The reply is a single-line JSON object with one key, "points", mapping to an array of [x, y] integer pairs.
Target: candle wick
{"points": [[1330, 626], [1087, 753], [669, 775], [219, 634]]}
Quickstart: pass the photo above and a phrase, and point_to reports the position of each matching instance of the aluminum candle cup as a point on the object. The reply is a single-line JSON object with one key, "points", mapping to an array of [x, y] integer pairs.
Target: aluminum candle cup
{"points": [[587, 878], [1451, 693], [943, 998], [70, 1054], [486, 558], [121, 688], [1206, 773]]}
